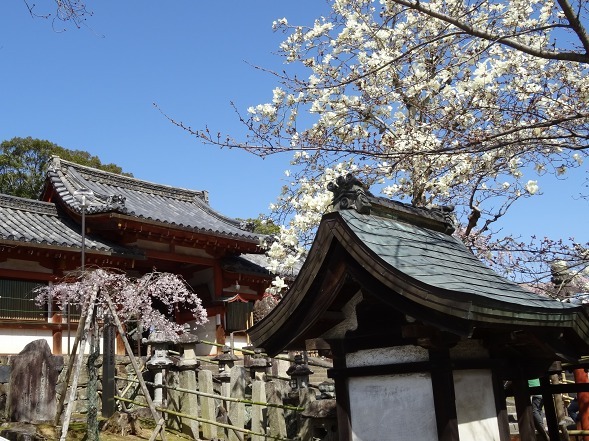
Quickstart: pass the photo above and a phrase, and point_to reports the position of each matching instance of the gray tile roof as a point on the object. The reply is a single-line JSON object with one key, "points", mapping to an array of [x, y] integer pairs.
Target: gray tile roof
{"points": [[438, 260], [424, 273], [31, 221], [176, 207]]}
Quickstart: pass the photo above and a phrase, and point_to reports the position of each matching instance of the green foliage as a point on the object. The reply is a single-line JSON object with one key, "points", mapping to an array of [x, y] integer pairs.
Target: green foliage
{"points": [[262, 226], [24, 161]]}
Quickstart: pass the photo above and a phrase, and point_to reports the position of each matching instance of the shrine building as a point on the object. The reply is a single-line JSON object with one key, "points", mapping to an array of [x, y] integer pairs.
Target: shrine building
{"points": [[422, 334], [130, 225]]}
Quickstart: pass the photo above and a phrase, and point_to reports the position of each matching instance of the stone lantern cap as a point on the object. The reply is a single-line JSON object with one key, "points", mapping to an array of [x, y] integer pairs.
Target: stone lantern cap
{"points": [[327, 390], [160, 359], [188, 338], [159, 362], [258, 361], [298, 369], [158, 338], [226, 356]]}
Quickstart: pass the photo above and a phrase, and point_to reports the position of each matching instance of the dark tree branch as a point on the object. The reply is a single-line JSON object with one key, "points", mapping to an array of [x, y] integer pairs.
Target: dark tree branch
{"points": [[504, 40]]}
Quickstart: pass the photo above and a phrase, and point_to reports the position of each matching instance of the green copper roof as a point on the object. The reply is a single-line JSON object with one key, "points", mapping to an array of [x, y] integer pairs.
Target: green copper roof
{"points": [[438, 260], [405, 260]]}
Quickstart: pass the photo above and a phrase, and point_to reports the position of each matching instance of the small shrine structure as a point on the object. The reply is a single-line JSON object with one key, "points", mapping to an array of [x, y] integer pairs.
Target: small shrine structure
{"points": [[134, 226], [423, 335]]}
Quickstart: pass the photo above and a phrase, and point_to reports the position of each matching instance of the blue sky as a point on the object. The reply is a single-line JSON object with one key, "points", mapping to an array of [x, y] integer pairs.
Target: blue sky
{"points": [[93, 89]]}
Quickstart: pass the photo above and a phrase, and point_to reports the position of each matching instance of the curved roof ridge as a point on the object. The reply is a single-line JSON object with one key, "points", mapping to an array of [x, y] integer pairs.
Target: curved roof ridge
{"points": [[141, 199], [31, 205], [129, 182], [212, 212]]}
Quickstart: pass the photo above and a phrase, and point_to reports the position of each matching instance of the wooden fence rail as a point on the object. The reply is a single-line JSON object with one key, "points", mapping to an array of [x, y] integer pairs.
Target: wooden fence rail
{"points": [[218, 406], [217, 396], [202, 420]]}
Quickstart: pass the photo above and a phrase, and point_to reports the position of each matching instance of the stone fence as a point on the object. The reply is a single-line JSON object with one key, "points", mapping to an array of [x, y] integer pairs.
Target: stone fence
{"points": [[33, 379], [224, 397]]}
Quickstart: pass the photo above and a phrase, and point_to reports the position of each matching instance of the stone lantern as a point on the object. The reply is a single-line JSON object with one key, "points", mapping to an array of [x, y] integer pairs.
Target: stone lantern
{"points": [[259, 365], [226, 360], [326, 390], [158, 362], [299, 373], [188, 360]]}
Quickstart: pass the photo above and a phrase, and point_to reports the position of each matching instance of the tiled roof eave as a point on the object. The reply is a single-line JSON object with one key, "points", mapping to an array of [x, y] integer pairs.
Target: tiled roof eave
{"points": [[189, 229], [463, 305], [60, 247], [29, 205]]}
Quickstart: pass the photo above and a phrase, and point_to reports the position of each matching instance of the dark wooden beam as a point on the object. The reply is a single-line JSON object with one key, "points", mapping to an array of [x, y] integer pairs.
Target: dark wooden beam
{"points": [[550, 411], [342, 393], [444, 396], [523, 408], [500, 407]]}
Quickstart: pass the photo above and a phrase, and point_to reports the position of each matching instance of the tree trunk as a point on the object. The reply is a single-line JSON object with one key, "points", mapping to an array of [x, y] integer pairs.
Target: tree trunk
{"points": [[92, 419]]}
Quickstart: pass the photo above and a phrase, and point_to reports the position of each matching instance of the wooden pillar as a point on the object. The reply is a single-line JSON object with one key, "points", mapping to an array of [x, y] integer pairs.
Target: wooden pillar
{"points": [[108, 368], [549, 410], [501, 407], [583, 399], [344, 423], [120, 346], [57, 342], [523, 406], [444, 396], [57, 332], [561, 412]]}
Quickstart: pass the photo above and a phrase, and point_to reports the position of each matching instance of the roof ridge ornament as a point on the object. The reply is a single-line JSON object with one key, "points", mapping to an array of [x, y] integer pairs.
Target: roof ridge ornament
{"points": [[116, 201], [349, 192]]}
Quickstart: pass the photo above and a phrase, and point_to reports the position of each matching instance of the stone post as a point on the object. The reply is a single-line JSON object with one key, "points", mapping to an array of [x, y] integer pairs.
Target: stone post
{"points": [[188, 367], [276, 420], [258, 420], [207, 404], [237, 410]]}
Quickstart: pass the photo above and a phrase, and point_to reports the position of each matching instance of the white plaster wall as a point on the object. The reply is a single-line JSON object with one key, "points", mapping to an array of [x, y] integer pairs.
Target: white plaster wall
{"points": [[239, 342], [392, 407], [475, 406], [206, 332], [12, 341]]}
